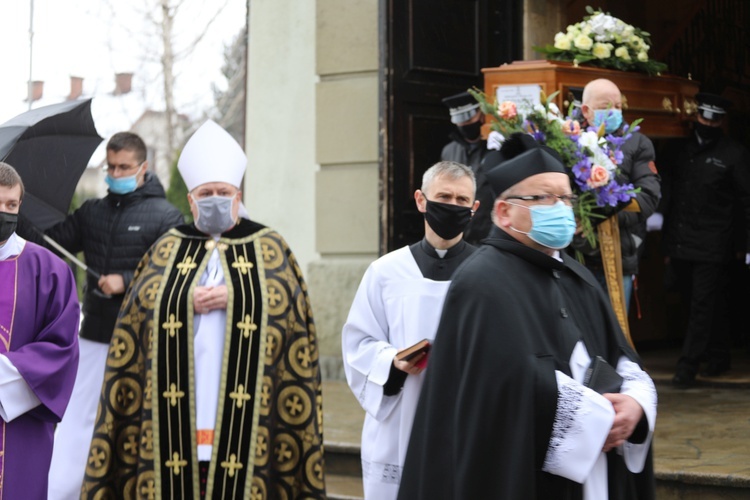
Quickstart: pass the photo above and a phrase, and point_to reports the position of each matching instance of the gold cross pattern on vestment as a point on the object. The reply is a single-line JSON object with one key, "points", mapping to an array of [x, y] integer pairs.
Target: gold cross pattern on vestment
{"points": [[148, 490], [172, 325], [231, 465], [176, 463], [186, 265], [240, 396], [243, 265], [246, 326], [173, 394]]}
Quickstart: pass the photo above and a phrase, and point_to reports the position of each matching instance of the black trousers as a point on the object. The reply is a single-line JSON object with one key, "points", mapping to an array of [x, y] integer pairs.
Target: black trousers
{"points": [[704, 287]]}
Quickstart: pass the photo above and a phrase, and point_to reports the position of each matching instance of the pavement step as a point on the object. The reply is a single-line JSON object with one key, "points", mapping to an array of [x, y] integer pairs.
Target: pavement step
{"points": [[344, 487], [343, 460]]}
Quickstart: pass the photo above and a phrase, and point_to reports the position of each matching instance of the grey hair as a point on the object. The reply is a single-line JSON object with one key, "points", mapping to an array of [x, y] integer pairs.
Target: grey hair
{"points": [[450, 169]]}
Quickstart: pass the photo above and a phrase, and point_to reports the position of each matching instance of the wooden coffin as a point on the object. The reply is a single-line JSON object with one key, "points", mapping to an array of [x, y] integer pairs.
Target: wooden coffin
{"points": [[665, 102]]}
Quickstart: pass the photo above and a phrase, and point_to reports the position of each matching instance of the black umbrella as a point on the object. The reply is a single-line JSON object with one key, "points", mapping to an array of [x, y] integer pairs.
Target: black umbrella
{"points": [[50, 148]]}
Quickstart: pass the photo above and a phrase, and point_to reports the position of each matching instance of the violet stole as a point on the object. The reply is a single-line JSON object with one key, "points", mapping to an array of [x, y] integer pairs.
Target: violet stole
{"points": [[8, 276]]}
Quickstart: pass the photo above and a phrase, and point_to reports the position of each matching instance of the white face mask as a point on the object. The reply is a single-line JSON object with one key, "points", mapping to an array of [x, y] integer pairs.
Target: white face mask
{"points": [[214, 214]]}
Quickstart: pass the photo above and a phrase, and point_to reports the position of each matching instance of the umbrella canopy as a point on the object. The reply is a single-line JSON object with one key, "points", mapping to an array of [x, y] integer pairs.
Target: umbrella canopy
{"points": [[50, 148]]}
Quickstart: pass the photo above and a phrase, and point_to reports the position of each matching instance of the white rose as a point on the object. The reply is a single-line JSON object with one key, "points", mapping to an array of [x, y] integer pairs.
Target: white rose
{"points": [[589, 140], [601, 158], [622, 53], [627, 32], [583, 42], [642, 56], [636, 42], [562, 41], [601, 50]]}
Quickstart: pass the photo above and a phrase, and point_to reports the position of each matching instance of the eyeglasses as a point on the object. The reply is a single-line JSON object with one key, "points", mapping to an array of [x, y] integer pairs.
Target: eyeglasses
{"points": [[546, 199], [122, 168]]}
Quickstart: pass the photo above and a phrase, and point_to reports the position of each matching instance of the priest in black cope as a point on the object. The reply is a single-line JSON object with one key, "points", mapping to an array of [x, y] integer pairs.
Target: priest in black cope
{"points": [[504, 412]]}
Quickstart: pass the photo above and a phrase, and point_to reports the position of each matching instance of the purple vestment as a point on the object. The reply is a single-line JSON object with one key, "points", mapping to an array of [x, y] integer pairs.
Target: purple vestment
{"points": [[39, 316]]}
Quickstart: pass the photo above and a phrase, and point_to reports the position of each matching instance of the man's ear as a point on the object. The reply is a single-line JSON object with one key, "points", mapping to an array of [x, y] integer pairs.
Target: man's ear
{"points": [[475, 207], [421, 200], [502, 213]]}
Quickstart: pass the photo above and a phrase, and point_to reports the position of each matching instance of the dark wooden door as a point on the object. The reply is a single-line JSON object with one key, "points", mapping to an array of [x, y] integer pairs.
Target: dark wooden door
{"points": [[430, 49]]}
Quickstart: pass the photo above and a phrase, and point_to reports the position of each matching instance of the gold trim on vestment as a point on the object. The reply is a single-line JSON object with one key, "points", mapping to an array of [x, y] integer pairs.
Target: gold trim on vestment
{"points": [[611, 252]]}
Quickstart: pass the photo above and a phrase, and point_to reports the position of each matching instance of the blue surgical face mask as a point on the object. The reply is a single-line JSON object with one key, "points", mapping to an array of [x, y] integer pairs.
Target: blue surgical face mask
{"points": [[552, 226], [123, 185], [611, 118], [214, 214]]}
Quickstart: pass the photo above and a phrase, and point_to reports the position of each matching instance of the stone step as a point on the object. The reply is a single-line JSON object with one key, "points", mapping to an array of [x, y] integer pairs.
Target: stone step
{"points": [[344, 487]]}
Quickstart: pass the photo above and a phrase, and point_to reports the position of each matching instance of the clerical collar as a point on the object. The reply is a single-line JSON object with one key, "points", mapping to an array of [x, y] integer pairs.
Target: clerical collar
{"points": [[453, 251]]}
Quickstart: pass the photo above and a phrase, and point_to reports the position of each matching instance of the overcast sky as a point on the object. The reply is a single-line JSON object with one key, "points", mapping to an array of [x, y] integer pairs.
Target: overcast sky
{"points": [[83, 38]]}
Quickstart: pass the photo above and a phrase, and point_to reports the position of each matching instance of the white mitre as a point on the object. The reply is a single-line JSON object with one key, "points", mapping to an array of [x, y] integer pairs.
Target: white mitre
{"points": [[212, 155]]}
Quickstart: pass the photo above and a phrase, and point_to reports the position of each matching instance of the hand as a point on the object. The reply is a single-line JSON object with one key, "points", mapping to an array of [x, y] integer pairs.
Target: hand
{"points": [[495, 140], [412, 367], [208, 298], [655, 222], [627, 415], [112, 284]]}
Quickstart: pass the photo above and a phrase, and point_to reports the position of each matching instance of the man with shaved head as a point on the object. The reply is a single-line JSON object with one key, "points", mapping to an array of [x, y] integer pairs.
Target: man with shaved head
{"points": [[602, 105]]}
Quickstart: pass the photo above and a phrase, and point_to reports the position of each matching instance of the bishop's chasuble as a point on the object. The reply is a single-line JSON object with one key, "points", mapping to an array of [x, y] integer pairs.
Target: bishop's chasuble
{"points": [[268, 438]]}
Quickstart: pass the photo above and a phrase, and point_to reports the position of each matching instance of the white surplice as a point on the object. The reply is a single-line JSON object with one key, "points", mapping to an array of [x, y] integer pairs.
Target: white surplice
{"points": [[395, 307], [583, 421]]}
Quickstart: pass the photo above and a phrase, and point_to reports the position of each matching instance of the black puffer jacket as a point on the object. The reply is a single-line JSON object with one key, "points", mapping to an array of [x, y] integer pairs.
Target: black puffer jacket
{"points": [[705, 186], [113, 233]]}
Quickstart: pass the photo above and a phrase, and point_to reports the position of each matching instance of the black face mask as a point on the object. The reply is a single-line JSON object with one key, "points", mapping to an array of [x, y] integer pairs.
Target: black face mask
{"points": [[7, 225], [707, 132], [471, 131], [448, 221]]}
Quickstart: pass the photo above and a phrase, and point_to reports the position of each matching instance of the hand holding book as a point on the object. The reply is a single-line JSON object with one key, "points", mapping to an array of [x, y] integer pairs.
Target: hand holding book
{"points": [[417, 352]]}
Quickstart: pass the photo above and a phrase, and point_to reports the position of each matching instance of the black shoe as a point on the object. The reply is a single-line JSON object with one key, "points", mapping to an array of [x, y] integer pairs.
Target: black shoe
{"points": [[683, 378], [715, 368]]}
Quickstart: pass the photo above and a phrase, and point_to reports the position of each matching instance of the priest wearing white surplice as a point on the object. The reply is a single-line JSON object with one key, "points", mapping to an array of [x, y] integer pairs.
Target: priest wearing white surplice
{"points": [[398, 304]]}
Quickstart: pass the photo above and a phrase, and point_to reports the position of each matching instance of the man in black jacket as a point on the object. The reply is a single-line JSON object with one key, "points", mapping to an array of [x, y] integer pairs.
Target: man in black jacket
{"points": [[468, 148], [113, 233], [602, 104], [709, 179]]}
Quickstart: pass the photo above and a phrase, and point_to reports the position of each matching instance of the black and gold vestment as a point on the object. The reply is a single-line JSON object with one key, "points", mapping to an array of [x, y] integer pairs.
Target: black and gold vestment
{"points": [[268, 441]]}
